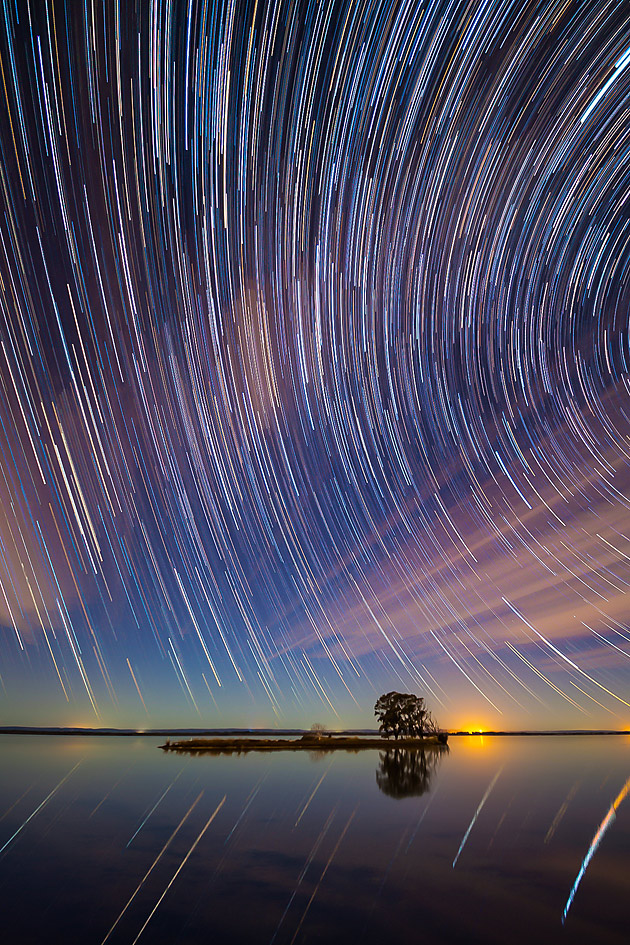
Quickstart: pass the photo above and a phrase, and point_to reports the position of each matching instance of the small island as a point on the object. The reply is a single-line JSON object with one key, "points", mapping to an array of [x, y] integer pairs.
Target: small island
{"points": [[308, 742], [405, 722]]}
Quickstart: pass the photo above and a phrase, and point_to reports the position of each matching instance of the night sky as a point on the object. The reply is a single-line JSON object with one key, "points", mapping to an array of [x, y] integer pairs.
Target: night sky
{"points": [[314, 362]]}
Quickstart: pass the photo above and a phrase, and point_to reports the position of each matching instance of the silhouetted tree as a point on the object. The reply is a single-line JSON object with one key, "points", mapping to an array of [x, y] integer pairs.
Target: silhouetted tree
{"points": [[430, 725], [403, 714]]}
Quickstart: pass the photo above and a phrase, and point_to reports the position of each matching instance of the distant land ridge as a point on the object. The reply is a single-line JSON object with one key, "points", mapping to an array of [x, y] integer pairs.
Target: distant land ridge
{"points": [[369, 732]]}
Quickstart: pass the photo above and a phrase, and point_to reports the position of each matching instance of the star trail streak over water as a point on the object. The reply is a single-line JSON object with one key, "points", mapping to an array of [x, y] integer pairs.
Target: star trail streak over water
{"points": [[314, 361]]}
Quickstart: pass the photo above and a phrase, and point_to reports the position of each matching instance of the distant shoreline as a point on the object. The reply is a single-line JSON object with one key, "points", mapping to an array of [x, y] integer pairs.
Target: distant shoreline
{"points": [[266, 732]]}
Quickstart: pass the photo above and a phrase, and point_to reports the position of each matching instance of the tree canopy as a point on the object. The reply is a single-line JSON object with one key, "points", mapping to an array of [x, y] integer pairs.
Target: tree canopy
{"points": [[403, 714]]}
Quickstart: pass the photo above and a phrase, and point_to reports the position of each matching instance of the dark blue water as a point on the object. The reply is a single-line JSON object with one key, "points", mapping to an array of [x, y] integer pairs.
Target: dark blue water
{"points": [[111, 837]]}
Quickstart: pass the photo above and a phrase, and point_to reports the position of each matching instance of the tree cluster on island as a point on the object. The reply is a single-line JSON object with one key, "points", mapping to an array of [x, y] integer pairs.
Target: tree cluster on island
{"points": [[403, 715]]}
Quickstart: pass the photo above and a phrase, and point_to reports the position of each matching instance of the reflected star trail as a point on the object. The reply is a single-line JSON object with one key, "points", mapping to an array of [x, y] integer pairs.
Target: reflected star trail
{"points": [[314, 361]]}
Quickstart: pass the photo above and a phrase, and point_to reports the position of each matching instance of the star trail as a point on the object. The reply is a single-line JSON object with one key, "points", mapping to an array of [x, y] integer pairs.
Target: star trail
{"points": [[314, 361]]}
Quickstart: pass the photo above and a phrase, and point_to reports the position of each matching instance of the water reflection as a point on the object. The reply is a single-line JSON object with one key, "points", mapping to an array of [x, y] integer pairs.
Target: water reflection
{"points": [[111, 835], [404, 772]]}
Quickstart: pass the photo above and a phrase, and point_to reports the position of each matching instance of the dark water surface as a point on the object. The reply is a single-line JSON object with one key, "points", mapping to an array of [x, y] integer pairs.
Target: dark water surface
{"points": [[483, 843]]}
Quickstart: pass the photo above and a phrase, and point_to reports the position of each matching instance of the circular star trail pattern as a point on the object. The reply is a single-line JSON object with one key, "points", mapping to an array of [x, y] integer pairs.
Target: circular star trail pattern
{"points": [[314, 359]]}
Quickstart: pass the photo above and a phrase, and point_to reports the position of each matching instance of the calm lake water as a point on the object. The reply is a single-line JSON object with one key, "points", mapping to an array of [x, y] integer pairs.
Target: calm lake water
{"points": [[111, 837]]}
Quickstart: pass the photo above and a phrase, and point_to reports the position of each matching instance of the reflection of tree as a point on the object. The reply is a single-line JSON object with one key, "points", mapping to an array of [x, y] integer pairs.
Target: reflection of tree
{"points": [[407, 772], [316, 755]]}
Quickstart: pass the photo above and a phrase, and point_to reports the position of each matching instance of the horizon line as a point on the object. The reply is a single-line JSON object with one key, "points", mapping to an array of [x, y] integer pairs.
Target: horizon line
{"points": [[159, 731]]}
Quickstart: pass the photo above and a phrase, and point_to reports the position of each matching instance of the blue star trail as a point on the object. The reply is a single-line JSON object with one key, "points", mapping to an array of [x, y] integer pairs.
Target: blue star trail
{"points": [[314, 361]]}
